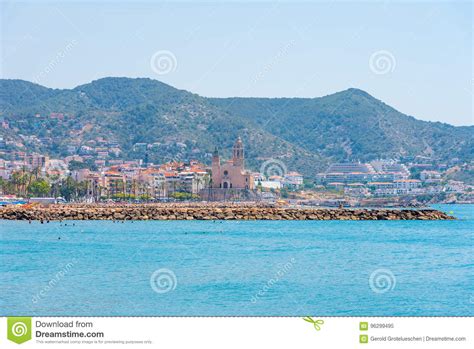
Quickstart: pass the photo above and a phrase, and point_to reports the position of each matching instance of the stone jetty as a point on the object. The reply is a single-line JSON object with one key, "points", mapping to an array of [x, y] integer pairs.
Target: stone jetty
{"points": [[209, 212]]}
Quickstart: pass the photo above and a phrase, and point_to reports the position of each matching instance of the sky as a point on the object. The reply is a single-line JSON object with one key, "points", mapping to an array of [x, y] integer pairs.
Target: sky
{"points": [[414, 56]]}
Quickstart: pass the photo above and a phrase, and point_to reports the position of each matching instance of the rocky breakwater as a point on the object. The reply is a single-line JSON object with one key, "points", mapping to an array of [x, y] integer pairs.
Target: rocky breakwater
{"points": [[211, 212]]}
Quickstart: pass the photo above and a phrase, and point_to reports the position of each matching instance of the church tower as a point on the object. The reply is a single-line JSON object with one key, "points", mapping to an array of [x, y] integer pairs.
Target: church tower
{"points": [[238, 153], [231, 174]]}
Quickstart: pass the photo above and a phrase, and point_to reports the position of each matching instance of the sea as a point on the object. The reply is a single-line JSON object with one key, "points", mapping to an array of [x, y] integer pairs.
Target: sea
{"points": [[239, 268]]}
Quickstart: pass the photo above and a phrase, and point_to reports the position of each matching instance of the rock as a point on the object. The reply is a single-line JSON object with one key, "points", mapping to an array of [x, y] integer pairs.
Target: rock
{"points": [[208, 212]]}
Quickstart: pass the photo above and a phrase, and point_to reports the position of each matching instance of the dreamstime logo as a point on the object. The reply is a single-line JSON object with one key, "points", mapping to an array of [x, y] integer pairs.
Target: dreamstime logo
{"points": [[382, 280], [61, 274], [382, 62], [273, 167], [281, 272], [53, 63], [19, 329], [270, 66], [163, 62], [163, 281]]}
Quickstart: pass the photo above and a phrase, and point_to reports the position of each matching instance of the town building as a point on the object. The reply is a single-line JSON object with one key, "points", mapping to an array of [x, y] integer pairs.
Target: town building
{"points": [[232, 173], [430, 176], [407, 186], [35, 161], [347, 173], [356, 190], [376, 171], [293, 180], [273, 182]]}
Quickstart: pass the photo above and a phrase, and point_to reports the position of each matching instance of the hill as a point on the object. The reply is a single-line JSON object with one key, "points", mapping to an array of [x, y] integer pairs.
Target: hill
{"points": [[352, 125], [144, 116]]}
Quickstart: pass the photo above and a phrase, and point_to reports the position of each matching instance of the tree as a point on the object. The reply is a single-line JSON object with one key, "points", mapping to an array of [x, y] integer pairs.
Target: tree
{"points": [[78, 165], [308, 184], [71, 189], [6, 187], [183, 196], [39, 187], [20, 182]]}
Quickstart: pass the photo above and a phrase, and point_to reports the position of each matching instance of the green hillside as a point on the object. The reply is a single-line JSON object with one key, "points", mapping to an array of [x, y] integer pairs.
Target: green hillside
{"points": [[352, 125], [305, 134]]}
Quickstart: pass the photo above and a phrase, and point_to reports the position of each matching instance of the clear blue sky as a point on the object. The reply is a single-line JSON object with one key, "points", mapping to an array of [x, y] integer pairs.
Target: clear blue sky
{"points": [[266, 49]]}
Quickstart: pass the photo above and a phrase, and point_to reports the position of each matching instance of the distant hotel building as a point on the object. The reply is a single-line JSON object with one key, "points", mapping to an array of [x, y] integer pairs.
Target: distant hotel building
{"points": [[347, 173], [377, 171]]}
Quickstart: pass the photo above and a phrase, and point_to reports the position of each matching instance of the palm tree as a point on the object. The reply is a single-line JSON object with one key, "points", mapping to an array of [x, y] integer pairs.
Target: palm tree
{"points": [[20, 181], [162, 189], [16, 180], [210, 189]]}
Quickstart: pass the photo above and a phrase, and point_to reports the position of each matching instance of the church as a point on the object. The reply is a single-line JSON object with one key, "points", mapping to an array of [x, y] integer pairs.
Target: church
{"points": [[232, 173]]}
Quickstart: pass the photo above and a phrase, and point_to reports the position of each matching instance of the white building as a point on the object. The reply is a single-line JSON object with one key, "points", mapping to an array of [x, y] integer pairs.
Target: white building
{"points": [[270, 184], [407, 184], [455, 187], [430, 176], [293, 180]]}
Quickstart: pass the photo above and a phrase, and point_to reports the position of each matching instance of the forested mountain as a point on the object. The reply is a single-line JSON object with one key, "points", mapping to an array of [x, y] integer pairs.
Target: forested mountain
{"points": [[144, 116]]}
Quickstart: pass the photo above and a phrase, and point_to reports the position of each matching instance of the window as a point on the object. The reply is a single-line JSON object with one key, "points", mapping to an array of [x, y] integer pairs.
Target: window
{"points": [[226, 173]]}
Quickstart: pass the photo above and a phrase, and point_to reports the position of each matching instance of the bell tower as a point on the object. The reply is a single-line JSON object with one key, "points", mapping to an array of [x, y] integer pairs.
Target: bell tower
{"points": [[238, 153]]}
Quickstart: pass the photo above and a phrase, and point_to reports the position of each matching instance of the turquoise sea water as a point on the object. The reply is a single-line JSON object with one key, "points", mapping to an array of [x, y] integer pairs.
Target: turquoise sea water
{"points": [[324, 268]]}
